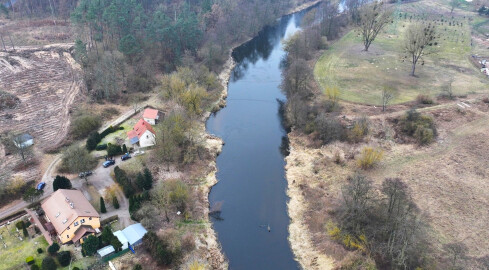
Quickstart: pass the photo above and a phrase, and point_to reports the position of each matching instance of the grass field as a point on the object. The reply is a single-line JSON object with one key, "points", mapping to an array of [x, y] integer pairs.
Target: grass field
{"points": [[13, 257], [361, 75]]}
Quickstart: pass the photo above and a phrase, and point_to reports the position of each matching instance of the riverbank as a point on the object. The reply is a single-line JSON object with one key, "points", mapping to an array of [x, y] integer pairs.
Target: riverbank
{"points": [[300, 161]]}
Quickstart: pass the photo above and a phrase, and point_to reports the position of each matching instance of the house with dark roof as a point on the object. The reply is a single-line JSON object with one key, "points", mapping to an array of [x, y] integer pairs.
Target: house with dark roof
{"points": [[71, 215], [142, 135], [24, 140]]}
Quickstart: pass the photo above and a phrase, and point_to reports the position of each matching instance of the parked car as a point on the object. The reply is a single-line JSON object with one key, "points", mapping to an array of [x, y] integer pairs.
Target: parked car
{"points": [[41, 186], [108, 163], [126, 156], [85, 174]]}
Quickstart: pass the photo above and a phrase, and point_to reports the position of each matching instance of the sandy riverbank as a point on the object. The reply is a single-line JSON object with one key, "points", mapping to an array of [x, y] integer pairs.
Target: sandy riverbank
{"points": [[299, 159]]}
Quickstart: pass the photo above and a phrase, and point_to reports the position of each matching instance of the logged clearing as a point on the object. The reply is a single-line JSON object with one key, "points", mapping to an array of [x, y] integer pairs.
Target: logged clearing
{"points": [[361, 75], [46, 80]]}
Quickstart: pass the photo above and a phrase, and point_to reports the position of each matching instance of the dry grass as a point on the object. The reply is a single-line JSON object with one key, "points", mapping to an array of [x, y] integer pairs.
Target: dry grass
{"points": [[448, 180]]}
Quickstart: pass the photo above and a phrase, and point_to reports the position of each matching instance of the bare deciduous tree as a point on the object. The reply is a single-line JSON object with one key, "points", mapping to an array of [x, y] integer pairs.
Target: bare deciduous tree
{"points": [[372, 19], [418, 38], [388, 94]]}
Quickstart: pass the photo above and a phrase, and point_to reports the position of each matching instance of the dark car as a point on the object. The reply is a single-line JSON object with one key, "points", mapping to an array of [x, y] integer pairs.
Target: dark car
{"points": [[41, 186], [126, 156], [108, 163], [85, 174]]}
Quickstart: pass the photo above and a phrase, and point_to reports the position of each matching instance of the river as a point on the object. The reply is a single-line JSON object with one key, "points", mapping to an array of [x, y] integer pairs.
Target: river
{"points": [[252, 185]]}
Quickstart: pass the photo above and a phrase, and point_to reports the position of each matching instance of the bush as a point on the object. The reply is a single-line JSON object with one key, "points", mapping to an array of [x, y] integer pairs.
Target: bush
{"points": [[90, 245], [160, 250], [424, 99], [107, 131], [137, 267], [370, 157], [61, 182], [76, 268], [48, 263], [64, 258], [39, 250], [101, 147], [113, 150], [329, 129], [35, 267], [83, 124], [30, 260], [93, 140], [420, 127], [359, 130], [77, 159], [52, 249], [19, 225]]}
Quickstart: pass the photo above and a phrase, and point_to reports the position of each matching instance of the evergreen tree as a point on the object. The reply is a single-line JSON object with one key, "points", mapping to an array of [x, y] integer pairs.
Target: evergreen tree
{"points": [[61, 182], [115, 202], [148, 179], [90, 245], [124, 148], [140, 181], [102, 206]]}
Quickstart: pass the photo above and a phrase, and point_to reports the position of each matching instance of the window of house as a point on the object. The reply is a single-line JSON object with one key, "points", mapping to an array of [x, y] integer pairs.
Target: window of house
{"points": [[67, 236], [68, 228], [90, 218], [82, 221], [76, 223]]}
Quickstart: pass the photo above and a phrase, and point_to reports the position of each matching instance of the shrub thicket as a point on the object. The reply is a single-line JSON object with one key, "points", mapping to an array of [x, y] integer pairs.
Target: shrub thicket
{"points": [[64, 258], [84, 123], [52, 249], [370, 157], [48, 263], [160, 250], [420, 127]]}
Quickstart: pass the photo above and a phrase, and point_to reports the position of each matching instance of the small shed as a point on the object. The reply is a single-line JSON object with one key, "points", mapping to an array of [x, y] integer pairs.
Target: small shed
{"points": [[106, 251], [134, 234], [122, 238], [23, 140], [150, 116]]}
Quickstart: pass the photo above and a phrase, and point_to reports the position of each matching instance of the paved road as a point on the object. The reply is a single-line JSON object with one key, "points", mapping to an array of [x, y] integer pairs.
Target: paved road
{"points": [[48, 178]]}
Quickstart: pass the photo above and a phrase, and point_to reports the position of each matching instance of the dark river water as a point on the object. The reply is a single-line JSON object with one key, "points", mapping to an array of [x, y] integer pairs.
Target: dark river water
{"points": [[252, 185]]}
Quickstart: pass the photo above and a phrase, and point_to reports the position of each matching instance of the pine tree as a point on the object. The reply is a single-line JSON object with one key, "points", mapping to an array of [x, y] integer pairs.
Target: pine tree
{"points": [[102, 206], [115, 202], [140, 181], [124, 148], [148, 179]]}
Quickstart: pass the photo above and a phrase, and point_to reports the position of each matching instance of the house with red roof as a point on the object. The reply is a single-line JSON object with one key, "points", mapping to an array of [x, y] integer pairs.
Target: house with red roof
{"points": [[151, 116], [142, 135]]}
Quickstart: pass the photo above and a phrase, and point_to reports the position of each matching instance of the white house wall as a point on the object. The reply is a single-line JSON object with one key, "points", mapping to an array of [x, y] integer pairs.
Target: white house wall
{"points": [[148, 139]]}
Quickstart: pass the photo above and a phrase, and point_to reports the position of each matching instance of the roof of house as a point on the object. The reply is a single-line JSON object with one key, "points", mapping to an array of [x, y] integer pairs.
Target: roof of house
{"points": [[66, 205], [122, 238], [150, 113], [105, 250], [134, 233], [139, 129], [82, 230], [24, 138]]}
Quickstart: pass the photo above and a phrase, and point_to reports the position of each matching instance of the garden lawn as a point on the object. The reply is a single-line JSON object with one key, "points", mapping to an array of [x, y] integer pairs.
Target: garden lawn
{"points": [[361, 76], [13, 257]]}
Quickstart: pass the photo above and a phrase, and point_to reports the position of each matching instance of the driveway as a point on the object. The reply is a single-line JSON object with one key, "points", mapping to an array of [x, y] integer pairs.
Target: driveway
{"points": [[101, 180]]}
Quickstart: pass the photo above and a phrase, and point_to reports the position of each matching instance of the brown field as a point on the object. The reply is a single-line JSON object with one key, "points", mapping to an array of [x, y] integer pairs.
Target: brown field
{"points": [[448, 179]]}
